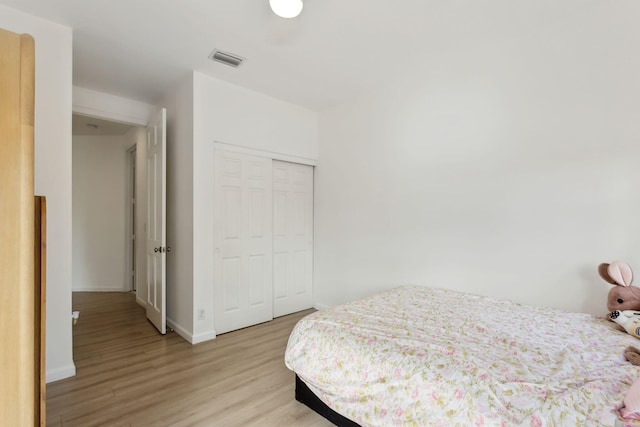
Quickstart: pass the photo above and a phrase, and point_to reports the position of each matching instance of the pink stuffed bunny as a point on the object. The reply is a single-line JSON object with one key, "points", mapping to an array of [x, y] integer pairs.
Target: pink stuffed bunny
{"points": [[622, 296], [630, 408]]}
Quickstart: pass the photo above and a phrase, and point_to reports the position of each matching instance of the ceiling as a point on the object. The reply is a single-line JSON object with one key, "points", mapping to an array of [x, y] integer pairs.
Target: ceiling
{"points": [[334, 51]]}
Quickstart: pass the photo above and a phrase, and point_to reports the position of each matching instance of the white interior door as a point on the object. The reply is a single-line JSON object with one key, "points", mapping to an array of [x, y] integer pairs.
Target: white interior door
{"points": [[156, 221], [243, 262], [292, 237]]}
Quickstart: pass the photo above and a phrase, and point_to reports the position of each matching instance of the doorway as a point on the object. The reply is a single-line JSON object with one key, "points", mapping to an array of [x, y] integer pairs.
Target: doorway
{"points": [[106, 219]]}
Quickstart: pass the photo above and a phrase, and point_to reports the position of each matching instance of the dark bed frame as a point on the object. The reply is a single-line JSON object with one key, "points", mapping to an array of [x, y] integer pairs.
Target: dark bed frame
{"points": [[306, 396]]}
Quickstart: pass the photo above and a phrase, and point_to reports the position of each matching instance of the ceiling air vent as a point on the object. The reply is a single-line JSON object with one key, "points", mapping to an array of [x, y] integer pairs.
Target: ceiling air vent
{"points": [[226, 58]]}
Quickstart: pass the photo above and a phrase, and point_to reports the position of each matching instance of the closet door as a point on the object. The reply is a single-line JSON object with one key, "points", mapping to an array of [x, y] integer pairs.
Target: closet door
{"points": [[243, 239], [292, 237]]}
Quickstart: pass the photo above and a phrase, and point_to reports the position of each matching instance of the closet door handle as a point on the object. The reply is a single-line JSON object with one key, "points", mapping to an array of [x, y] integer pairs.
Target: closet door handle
{"points": [[155, 249]]}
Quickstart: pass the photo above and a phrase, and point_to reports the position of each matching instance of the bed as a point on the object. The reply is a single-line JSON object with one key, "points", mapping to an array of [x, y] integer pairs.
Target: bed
{"points": [[416, 356]]}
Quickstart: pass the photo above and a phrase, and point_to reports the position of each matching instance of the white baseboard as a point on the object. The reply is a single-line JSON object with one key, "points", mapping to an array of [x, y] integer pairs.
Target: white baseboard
{"points": [[100, 289], [179, 330], [207, 336], [192, 339], [141, 302], [319, 306], [61, 373]]}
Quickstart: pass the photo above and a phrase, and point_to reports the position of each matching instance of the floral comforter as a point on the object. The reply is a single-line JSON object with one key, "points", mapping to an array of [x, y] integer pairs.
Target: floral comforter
{"points": [[417, 356]]}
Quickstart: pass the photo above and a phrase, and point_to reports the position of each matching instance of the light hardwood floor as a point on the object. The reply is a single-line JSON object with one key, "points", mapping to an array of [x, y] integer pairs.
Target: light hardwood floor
{"points": [[129, 375]]}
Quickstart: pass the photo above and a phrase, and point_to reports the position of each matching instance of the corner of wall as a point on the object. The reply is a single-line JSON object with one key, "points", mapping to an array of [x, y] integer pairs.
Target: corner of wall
{"points": [[179, 104], [189, 336]]}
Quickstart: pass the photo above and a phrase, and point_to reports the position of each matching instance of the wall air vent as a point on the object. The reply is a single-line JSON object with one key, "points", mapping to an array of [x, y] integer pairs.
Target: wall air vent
{"points": [[226, 58]]}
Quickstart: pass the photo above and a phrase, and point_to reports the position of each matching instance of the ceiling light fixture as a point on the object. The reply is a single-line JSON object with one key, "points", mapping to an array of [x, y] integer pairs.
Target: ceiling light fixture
{"points": [[286, 8]]}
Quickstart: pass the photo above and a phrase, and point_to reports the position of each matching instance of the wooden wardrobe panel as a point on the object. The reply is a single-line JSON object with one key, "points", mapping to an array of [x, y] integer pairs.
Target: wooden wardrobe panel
{"points": [[40, 314], [17, 404]]}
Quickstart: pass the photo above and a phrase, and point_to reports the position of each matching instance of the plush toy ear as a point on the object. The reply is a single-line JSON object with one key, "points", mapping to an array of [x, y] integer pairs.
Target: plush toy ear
{"points": [[620, 273], [602, 271]]}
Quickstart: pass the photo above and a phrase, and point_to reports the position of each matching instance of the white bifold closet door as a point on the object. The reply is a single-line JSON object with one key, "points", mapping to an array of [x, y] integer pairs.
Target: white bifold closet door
{"points": [[292, 237], [263, 239], [243, 239]]}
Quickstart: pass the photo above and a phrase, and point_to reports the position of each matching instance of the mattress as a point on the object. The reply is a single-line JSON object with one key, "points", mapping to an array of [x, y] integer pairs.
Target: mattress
{"points": [[416, 356]]}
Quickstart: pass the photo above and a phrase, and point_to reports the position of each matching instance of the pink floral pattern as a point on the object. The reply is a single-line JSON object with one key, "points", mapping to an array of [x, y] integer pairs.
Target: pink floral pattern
{"points": [[416, 356]]}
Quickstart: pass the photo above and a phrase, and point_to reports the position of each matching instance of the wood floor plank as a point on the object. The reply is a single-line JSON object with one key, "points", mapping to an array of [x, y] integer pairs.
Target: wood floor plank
{"points": [[129, 375]]}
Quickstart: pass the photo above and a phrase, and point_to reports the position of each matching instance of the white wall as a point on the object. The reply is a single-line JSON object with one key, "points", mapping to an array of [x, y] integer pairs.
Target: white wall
{"points": [[510, 171], [233, 115], [53, 173], [100, 211], [179, 105]]}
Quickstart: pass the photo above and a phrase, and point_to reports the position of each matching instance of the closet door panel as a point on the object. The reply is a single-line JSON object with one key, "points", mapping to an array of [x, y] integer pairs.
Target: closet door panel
{"points": [[230, 283], [257, 285], [243, 257], [293, 237], [280, 275]]}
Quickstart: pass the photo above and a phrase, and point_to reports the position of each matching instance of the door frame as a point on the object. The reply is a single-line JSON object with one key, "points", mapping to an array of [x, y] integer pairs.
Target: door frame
{"points": [[130, 221], [273, 155]]}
